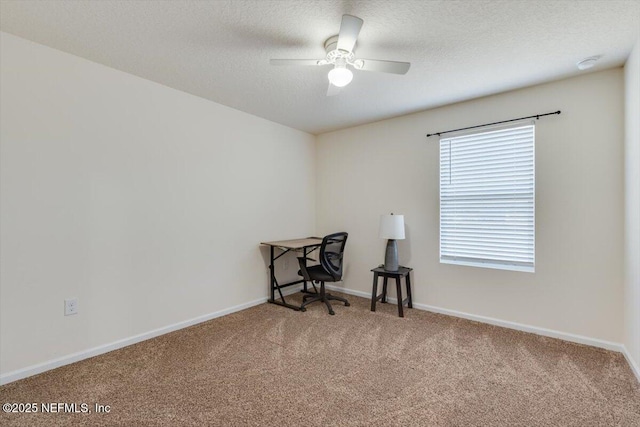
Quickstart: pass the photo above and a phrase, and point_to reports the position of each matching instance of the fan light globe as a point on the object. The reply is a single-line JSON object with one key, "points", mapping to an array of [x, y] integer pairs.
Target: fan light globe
{"points": [[340, 76]]}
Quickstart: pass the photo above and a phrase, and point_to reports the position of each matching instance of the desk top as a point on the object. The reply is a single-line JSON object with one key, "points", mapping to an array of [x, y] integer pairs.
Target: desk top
{"points": [[295, 243]]}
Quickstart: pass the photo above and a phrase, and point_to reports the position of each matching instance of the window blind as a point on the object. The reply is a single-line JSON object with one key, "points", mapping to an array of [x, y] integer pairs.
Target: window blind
{"points": [[487, 197]]}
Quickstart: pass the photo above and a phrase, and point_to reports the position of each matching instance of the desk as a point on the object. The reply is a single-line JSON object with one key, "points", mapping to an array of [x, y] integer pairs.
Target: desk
{"points": [[402, 272], [307, 246]]}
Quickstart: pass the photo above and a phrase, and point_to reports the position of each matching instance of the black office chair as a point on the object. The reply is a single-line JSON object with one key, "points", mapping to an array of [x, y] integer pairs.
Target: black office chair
{"points": [[329, 270]]}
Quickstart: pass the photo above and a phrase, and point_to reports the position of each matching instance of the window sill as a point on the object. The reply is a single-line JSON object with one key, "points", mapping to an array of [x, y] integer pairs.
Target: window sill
{"points": [[496, 266]]}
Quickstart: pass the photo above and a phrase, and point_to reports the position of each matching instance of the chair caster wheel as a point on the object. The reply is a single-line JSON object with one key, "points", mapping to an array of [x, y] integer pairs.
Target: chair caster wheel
{"points": [[303, 309], [332, 312], [346, 304]]}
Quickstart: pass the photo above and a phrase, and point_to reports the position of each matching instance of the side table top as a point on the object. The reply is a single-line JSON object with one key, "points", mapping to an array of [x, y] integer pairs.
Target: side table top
{"points": [[401, 270]]}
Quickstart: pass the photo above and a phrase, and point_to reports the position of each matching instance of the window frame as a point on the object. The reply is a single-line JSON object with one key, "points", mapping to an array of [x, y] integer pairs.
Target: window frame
{"points": [[488, 262]]}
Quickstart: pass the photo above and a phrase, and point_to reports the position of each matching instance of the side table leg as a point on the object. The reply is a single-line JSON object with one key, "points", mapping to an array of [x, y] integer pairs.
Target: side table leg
{"points": [[374, 292], [407, 281], [384, 289], [399, 291]]}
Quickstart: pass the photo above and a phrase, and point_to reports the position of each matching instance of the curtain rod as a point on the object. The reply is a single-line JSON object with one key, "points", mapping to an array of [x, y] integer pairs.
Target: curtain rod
{"points": [[537, 117]]}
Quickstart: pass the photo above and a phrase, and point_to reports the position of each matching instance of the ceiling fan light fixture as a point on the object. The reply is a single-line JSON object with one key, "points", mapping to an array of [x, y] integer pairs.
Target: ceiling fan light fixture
{"points": [[340, 50], [340, 76]]}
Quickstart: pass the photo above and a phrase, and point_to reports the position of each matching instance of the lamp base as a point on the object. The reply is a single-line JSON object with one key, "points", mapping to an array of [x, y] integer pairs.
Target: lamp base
{"points": [[391, 256]]}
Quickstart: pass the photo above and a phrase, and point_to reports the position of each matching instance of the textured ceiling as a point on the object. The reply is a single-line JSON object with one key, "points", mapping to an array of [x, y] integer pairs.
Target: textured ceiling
{"points": [[220, 50]]}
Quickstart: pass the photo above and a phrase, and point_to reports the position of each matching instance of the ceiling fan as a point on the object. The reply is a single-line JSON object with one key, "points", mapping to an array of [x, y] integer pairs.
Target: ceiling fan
{"points": [[341, 54]]}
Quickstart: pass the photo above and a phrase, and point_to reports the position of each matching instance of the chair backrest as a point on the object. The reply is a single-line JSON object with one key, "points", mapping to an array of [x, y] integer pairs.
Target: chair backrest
{"points": [[331, 253]]}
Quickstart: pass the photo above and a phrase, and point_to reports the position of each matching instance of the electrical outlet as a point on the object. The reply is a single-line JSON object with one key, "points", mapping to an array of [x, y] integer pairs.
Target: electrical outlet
{"points": [[70, 306]]}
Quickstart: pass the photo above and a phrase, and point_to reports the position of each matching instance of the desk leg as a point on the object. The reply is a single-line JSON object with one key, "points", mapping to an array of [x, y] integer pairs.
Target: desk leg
{"points": [[272, 278], [399, 296], [274, 286], [374, 292], [304, 286]]}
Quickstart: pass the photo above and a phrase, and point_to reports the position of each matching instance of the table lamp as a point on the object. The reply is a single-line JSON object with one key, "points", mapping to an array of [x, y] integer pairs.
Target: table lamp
{"points": [[392, 228]]}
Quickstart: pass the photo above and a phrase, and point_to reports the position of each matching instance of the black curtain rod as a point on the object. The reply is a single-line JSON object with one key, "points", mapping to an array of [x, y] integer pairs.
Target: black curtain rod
{"points": [[537, 116]]}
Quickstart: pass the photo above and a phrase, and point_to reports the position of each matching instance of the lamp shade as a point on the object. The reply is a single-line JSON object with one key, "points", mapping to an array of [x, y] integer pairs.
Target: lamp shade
{"points": [[392, 227]]}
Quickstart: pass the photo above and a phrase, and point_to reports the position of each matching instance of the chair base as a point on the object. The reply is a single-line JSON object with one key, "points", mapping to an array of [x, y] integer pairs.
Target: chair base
{"points": [[324, 297]]}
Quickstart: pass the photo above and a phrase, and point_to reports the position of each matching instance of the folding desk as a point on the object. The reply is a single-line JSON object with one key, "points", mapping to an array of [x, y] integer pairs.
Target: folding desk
{"points": [[307, 245]]}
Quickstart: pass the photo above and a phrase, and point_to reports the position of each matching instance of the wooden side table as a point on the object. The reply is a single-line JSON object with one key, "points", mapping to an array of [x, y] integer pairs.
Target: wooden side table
{"points": [[402, 272]]}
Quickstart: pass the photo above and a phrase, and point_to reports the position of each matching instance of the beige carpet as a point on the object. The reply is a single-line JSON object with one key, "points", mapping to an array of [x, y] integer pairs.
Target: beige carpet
{"points": [[269, 366]]}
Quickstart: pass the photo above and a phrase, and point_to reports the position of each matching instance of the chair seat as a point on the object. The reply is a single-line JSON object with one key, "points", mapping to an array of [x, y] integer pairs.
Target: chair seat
{"points": [[316, 272]]}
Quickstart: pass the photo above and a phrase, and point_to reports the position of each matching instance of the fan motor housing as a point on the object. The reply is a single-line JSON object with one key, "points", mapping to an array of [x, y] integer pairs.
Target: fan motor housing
{"points": [[331, 47]]}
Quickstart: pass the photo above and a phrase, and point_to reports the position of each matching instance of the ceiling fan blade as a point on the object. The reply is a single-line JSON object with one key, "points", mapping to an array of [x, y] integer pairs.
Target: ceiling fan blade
{"points": [[384, 66], [333, 90], [297, 62], [349, 30]]}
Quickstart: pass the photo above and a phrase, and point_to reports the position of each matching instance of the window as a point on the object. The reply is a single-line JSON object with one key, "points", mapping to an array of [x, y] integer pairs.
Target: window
{"points": [[487, 194]]}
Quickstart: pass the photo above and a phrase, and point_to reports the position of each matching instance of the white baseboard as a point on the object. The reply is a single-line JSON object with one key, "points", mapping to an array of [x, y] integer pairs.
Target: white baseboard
{"points": [[634, 366], [580, 339], [347, 291], [289, 291], [95, 351]]}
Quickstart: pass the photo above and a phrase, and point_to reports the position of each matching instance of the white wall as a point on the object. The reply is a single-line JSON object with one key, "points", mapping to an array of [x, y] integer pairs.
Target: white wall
{"points": [[390, 166], [632, 207], [148, 203], [144, 202]]}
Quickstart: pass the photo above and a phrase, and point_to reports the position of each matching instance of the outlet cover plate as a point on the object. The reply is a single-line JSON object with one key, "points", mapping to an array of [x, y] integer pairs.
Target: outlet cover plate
{"points": [[70, 306]]}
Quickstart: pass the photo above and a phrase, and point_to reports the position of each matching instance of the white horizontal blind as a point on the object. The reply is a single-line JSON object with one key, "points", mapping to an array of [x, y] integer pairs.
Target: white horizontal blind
{"points": [[487, 194]]}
